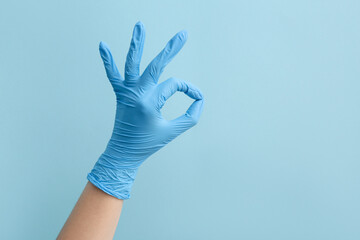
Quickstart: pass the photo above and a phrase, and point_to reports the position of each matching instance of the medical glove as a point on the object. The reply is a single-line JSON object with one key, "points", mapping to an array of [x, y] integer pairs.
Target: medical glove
{"points": [[139, 129]]}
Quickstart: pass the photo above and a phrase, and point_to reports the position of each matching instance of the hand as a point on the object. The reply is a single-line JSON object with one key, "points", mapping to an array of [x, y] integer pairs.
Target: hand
{"points": [[140, 130]]}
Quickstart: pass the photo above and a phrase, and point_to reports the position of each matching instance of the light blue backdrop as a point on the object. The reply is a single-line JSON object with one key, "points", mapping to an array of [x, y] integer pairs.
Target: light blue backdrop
{"points": [[275, 155]]}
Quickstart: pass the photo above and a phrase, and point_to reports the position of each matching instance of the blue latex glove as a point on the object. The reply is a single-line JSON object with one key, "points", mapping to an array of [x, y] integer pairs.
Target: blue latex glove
{"points": [[140, 130]]}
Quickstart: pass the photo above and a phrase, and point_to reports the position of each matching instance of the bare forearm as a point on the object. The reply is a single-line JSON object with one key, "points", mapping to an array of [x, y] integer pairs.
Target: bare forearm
{"points": [[95, 216]]}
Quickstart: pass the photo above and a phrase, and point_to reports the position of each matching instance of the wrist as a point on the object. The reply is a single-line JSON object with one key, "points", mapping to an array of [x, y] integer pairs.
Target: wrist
{"points": [[113, 181]]}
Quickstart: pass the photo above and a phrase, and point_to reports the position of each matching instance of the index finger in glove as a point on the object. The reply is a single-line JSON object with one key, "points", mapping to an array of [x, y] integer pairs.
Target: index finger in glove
{"points": [[167, 88]]}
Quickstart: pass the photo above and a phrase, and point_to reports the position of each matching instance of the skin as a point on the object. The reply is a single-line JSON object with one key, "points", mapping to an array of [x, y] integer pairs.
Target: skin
{"points": [[95, 216]]}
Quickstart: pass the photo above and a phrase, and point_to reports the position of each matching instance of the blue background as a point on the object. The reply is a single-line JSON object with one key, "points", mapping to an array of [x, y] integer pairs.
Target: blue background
{"points": [[275, 154]]}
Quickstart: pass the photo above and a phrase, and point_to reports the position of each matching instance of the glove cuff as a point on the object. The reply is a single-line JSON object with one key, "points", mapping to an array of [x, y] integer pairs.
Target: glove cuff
{"points": [[115, 182]]}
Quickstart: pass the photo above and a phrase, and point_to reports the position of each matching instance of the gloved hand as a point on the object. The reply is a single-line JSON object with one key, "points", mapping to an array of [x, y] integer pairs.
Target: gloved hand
{"points": [[140, 130]]}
